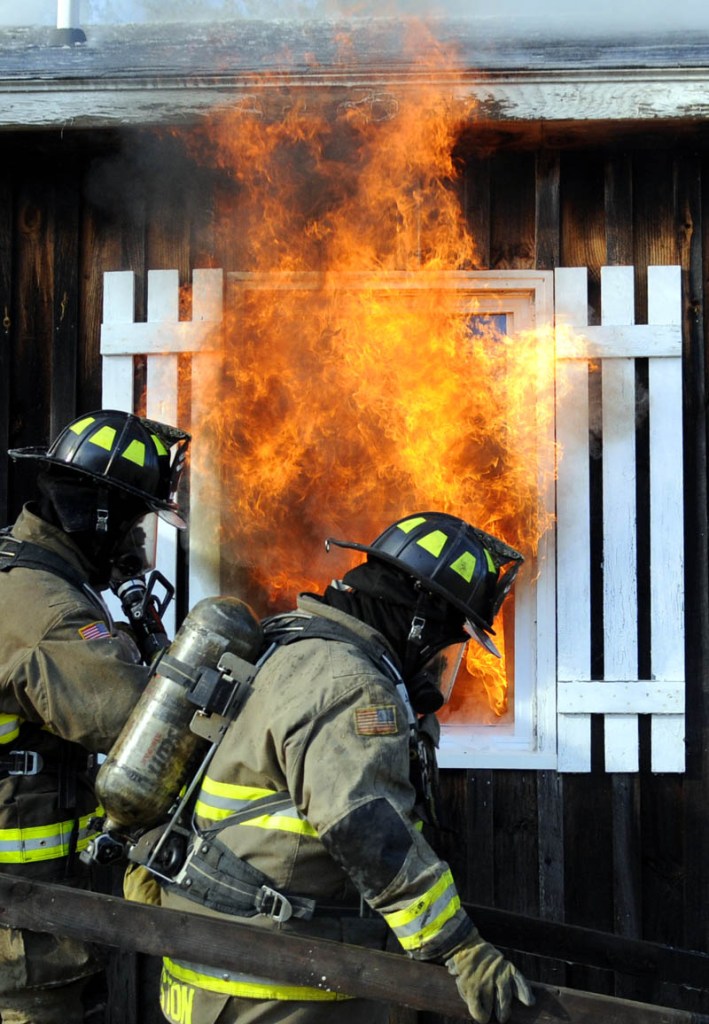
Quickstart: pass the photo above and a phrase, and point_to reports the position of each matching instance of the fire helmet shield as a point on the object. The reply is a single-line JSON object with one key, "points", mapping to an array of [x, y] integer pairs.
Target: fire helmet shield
{"points": [[451, 558], [442, 668], [121, 451]]}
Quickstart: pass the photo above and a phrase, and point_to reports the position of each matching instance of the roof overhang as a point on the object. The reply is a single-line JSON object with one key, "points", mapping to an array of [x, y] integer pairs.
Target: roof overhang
{"points": [[143, 76]]}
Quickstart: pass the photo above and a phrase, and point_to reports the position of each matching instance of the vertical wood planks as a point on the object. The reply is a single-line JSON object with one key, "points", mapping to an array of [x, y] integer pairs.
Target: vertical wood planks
{"points": [[666, 528], [620, 597], [573, 525], [161, 403], [118, 308]]}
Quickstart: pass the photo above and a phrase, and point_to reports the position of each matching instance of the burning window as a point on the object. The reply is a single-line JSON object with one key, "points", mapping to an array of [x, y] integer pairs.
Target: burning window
{"points": [[349, 403]]}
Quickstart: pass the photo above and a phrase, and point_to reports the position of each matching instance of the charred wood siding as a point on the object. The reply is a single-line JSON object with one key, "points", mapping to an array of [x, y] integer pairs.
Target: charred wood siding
{"points": [[622, 853]]}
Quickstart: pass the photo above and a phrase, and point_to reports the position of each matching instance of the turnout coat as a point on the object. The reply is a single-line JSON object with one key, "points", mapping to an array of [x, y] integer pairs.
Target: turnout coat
{"points": [[68, 680], [326, 727]]}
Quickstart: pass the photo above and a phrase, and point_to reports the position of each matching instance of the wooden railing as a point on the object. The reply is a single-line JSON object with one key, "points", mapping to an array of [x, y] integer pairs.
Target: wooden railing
{"points": [[370, 974]]}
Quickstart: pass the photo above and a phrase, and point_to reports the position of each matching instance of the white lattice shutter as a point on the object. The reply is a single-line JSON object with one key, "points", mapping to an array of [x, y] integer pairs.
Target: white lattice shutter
{"points": [[162, 339], [620, 697]]}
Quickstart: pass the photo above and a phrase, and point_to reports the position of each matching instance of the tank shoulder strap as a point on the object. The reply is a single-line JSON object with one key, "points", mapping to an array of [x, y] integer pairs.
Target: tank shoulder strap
{"points": [[24, 554], [15, 554], [316, 627]]}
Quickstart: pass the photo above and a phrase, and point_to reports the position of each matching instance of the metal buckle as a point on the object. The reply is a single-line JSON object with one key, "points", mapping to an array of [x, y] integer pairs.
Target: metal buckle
{"points": [[29, 762], [279, 910]]}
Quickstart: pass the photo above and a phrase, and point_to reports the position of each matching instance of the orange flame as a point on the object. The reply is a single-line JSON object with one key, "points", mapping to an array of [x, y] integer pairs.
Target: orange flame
{"points": [[354, 391]]}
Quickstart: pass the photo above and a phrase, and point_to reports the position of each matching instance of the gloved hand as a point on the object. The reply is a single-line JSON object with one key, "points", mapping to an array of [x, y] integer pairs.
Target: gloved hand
{"points": [[140, 886], [486, 981]]}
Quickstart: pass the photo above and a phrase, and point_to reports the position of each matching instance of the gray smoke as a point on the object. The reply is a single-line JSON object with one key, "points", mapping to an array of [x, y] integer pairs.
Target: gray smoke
{"points": [[513, 17]]}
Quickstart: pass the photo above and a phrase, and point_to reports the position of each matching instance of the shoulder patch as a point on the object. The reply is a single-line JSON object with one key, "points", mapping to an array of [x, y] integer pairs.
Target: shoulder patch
{"points": [[94, 631], [376, 720]]}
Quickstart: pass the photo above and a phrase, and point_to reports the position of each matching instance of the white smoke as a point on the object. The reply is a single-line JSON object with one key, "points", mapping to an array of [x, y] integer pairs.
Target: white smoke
{"points": [[514, 17]]}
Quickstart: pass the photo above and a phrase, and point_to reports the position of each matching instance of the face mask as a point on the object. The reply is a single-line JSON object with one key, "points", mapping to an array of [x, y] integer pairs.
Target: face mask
{"points": [[430, 688], [442, 669], [135, 554]]}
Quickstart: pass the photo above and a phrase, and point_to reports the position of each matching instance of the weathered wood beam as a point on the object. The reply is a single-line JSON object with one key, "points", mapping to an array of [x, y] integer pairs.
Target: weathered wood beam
{"points": [[231, 945]]}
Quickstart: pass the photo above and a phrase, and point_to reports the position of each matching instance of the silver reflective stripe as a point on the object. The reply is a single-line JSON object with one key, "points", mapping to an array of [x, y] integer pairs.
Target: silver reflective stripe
{"points": [[42, 842], [431, 914]]}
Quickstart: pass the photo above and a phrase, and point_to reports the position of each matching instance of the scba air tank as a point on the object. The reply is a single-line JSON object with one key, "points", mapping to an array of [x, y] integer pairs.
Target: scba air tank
{"points": [[147, 765]]}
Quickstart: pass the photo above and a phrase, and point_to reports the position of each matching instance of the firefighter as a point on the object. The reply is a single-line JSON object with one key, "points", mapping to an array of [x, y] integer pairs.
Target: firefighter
{"points": [[68, 676], [309, 815]]}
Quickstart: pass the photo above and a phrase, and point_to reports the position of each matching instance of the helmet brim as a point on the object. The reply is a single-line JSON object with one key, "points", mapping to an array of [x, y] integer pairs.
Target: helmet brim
{"points": [[169, 511]]}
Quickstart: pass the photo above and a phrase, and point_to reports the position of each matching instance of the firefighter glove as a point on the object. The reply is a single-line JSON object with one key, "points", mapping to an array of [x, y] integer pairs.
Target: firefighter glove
{"points": [[140, 886], [487, 983]]}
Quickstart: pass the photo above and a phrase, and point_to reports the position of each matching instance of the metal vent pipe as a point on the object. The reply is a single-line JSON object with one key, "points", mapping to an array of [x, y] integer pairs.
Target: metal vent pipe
{"points": [[67, 32]]}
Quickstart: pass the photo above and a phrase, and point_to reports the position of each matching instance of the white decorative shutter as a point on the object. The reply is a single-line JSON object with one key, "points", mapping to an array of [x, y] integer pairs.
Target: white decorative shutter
{"points": [[620, 696], [161, 339], [560, 663]]}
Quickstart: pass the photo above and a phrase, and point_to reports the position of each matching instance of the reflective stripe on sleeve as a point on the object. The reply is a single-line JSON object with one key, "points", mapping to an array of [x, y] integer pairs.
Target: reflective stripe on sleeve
{"points": [[423, 919], [218, 800], [9, 728], [43, 842], [213, 979]]}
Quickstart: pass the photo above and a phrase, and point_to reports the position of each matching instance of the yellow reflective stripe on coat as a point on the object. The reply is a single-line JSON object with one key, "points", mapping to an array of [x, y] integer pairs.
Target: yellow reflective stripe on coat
{"points": [[43, 842], [424, 918], [246, 986], [218, 800], [9, 728]]}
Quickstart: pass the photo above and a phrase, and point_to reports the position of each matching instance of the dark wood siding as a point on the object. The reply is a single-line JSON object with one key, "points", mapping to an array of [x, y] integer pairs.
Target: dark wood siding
{"points": [[623, 853]]}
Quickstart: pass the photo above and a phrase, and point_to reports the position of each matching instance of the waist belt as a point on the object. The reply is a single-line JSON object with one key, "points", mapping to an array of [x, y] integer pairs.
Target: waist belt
{"points": [[31, 762], [214, 876]]}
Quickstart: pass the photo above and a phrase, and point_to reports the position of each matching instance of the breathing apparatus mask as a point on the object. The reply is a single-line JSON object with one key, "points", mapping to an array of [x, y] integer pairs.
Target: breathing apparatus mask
{"points": [[434, 681], [136, 552]]}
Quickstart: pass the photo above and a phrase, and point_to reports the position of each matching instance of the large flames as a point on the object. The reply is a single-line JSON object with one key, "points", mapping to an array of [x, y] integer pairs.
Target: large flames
{"points": [[354, 389]]}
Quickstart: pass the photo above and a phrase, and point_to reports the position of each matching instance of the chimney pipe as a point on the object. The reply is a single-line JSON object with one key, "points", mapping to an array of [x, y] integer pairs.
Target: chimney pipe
{"points": [[67, 32]]}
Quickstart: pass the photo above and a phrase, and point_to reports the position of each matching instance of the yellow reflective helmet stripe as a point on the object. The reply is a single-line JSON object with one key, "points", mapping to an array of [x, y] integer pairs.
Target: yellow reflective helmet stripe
{"points": [[410, 524], [104, 438], [9, 728], [245, 985], [433, 542], [464, 565], [135, 452], [80, 426], [425, 917], [43, 842], [159, 446]]}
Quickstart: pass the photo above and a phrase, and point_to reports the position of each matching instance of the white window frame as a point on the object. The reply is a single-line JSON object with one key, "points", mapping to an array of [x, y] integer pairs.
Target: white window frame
{"points": [[527, 739]]}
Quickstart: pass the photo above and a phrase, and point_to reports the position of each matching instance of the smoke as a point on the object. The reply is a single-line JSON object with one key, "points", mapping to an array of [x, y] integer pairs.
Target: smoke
{"points": [[514, 18]]}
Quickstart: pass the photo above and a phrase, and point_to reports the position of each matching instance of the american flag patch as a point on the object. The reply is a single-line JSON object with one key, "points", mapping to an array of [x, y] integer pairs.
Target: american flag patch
{"points": [[94, 631], [376, 720]]}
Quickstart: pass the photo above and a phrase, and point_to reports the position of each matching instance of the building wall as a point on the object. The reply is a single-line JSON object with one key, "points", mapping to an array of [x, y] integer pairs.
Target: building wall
{"points": [[626, 854]]}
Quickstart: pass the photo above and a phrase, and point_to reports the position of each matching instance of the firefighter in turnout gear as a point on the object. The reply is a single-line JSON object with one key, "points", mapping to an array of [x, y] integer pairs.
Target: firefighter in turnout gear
{"points": [[68, 677], [308, 817]]}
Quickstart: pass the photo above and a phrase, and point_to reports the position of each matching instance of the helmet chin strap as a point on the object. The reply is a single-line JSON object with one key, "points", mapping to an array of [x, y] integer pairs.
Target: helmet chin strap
{"points": [[414, 640], [102, 511]]}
